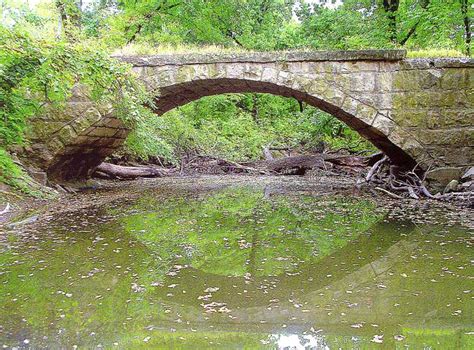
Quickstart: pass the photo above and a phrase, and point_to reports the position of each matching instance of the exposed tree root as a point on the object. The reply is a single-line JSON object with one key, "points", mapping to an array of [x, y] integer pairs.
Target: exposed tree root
{"points": [[400, 184]]}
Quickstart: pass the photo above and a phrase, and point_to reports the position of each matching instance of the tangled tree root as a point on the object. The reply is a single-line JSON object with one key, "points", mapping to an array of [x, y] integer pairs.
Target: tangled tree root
{"points": [[399, 184]]}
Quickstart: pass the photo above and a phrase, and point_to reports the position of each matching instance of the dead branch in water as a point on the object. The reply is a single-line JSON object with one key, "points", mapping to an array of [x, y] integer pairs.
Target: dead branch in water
{"points": [[376, 169], [410, 183]]}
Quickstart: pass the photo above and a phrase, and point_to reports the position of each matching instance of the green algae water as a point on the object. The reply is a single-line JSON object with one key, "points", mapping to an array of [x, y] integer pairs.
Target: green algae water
{"points": [[236, 266]]}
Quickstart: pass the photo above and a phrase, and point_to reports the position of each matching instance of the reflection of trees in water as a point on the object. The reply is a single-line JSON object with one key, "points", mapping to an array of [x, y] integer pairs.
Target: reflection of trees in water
{"points": [[232, 233]]}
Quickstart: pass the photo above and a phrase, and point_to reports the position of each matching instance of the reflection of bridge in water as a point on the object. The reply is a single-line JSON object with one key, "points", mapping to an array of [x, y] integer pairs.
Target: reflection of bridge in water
{"points": [[345, 293]]}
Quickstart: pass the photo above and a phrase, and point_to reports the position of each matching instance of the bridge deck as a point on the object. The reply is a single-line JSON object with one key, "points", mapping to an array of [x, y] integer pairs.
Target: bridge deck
{"points": [[265, 57]]}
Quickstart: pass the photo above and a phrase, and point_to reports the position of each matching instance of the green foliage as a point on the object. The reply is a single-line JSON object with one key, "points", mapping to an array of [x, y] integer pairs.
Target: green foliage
{"points": [[358, 24], [237, 127], [13, 175], [36, 73]]}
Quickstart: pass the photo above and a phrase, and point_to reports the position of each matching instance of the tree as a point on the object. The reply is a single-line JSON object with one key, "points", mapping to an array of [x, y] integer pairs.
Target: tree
{"points": [[391, 7], [467, 24], [69, 21]]}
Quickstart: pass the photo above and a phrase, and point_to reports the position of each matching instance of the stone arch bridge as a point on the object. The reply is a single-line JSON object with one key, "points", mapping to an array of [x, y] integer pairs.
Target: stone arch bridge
{"points": [[418, 111]]}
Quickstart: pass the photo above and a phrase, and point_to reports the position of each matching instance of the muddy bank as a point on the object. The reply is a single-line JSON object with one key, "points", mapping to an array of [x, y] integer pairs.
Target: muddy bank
{"points": [[106, 191]]}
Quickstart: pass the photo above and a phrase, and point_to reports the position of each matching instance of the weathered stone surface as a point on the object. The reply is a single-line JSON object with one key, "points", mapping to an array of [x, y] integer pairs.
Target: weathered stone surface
{"points": [[441, 177], [418, 111], [39, 176], [451, 186], [260, 57]]}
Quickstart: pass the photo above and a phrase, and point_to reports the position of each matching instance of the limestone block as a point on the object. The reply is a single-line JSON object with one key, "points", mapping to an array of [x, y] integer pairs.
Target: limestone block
{"points": [[111, 122], [269, 74], [102, 132], [85, 140], [80, 93], [384, 124], [409, 117], [253, 71], [285, 78], [235, 70], [84, 121], [55, 145], [121, 133], [362, 81], [334, 96], [217, 70], [303, 84], [201, 72], [384, 82], [362, 112], [452, 137], [318, 87], [40, 129], [161, 76], [66, 134], [443, 175], [455, 78], [184, 74]]}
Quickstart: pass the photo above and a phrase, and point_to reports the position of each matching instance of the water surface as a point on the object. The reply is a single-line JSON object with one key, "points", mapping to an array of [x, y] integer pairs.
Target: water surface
{"points": [[237, 266]]}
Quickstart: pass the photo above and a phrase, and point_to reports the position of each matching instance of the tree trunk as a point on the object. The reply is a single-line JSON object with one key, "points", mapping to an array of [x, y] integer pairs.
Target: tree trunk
{"points": [[128, 172], [69, 17], [391, 8], [255, 108], [424, 4], [300, 103], [467, 25]]}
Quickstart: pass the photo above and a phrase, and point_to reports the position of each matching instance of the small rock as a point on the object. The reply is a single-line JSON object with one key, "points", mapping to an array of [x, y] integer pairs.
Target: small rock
{"points": [[451, 186], [468, 186], [39, 176], [469, 174]]}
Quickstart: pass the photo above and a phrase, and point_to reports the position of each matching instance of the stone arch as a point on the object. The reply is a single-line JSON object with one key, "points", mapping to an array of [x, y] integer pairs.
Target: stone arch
{"points": [[352, 112], [342, 89]]}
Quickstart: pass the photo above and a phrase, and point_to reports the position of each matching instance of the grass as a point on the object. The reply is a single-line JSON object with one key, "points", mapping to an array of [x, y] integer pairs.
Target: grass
{"points": [[169, 49], [14, 176], [435, 53], [146, 49]]}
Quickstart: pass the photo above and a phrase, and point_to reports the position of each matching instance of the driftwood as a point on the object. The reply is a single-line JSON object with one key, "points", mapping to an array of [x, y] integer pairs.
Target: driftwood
{"points": [[267, 154], [375, 169], [408, 183], [390, 194], [128, 172], [231, 166], [297, 165]]}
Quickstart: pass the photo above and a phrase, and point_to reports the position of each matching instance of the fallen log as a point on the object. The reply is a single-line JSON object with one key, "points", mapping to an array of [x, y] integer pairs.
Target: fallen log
{"points": [[128, 172], [229, 165], [297, 165]]}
